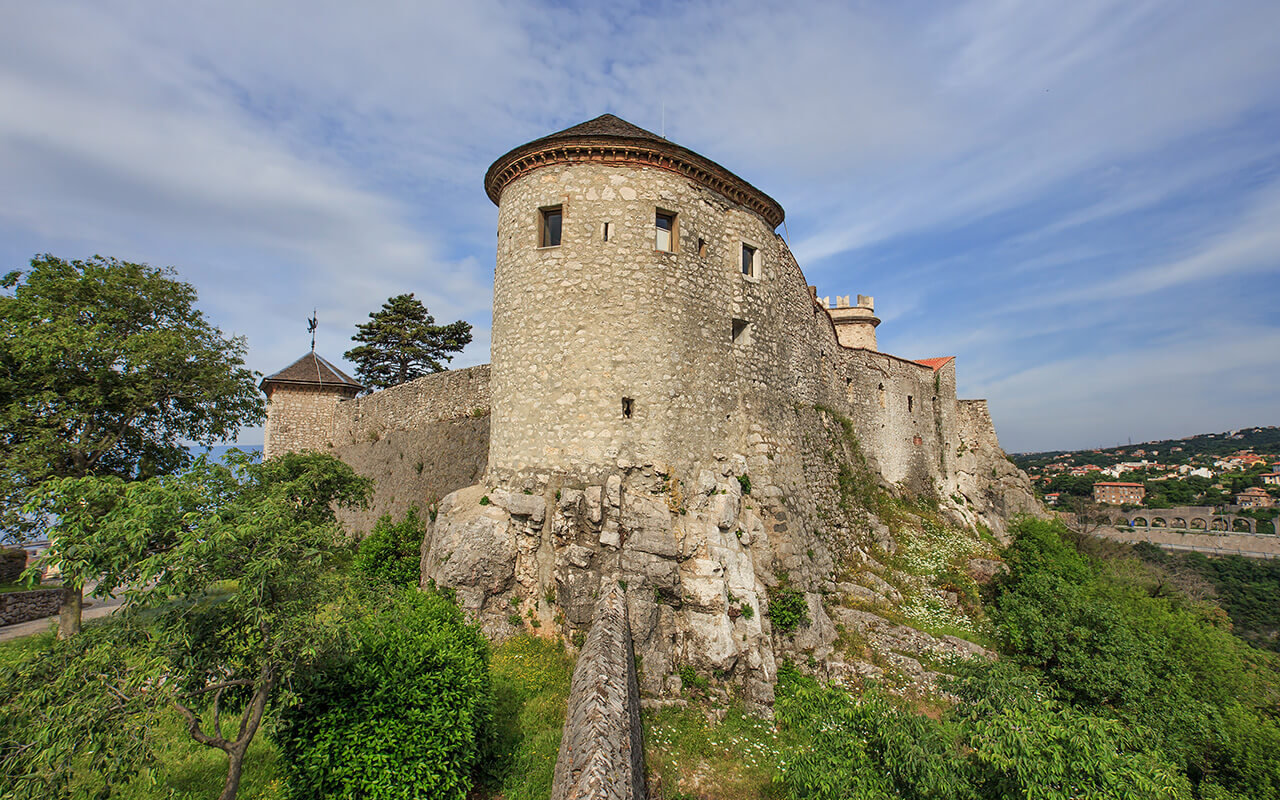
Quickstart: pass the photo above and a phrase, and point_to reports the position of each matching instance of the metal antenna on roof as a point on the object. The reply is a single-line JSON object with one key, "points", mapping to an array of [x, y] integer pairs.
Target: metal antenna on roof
{"points": [[311, 328], [664, 119]]}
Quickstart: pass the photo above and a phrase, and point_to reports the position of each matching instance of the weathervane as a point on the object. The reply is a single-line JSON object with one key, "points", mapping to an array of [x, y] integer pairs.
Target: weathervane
{"points": [[311, 329]]}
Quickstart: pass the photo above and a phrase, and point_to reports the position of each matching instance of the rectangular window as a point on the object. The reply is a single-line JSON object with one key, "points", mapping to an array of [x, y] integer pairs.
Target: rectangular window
{"points": [[608, 231], [749, 260], [549, 222], [702, 248], [741, 331], [666, 233]]}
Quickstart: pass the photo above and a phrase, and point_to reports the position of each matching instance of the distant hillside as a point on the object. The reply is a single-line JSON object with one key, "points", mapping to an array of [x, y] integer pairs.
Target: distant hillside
{"points": [[1262, 440]]}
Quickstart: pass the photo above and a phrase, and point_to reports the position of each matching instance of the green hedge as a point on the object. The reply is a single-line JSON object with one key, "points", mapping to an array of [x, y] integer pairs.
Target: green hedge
{"points": [[404, 715]]}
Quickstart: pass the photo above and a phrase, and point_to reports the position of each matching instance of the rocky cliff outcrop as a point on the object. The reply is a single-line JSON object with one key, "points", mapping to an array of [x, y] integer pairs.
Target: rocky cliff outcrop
{"points": [[702, 561]]}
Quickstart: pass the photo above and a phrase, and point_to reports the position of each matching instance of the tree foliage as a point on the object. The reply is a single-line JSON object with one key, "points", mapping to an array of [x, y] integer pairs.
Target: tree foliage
{"points": [[1111, 684], [404, 713], [1151, 660], [392, 552], [107, 368], [229, 574], [401, 342]]}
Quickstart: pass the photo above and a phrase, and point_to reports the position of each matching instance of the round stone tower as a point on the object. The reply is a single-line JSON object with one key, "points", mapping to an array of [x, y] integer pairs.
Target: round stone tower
{"points": [[632, 277]]}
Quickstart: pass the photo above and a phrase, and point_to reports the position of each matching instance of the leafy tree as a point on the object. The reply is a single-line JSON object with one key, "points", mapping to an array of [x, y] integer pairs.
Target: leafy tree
{"points": [[1024, 743], [229, 575], [406, 712], [402, 342], [108, 369], [392, 552], [1134, 652]]}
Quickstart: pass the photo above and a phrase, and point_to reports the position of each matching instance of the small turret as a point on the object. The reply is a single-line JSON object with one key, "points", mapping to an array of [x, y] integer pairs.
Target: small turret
{"points": [[855, 324], [300, 403]]}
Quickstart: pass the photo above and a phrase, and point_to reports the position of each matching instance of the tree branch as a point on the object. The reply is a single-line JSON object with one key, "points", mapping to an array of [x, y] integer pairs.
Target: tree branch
{"points": [[217, 687], [193, 728]]}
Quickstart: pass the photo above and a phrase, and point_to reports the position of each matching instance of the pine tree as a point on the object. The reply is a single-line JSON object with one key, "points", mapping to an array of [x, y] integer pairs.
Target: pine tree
{"points": [[402, 342]]}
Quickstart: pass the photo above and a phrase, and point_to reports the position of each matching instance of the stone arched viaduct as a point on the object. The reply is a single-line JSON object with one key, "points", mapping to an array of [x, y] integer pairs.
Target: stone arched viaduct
{"points": [[1188, 518]]}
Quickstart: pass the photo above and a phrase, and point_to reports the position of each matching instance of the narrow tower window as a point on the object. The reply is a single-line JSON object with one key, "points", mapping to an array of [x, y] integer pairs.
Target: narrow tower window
{"points": [[608, 231], [741, 331], [665, 231], [702, 248], [549, 220], [749, 260], [911, 402], [628, 407]]}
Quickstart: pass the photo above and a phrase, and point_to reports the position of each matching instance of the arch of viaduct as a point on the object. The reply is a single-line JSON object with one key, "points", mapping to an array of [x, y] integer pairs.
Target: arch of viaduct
{"points": [[1201, 519]]}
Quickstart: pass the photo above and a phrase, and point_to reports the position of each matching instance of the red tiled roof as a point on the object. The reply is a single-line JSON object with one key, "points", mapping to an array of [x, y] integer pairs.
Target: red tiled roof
{"points": [[935, 364], [1113, 483], [312, 370]]}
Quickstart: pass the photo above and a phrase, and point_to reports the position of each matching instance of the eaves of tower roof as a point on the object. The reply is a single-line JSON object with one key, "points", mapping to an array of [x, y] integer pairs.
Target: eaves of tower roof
{"points": [[312, 370]]}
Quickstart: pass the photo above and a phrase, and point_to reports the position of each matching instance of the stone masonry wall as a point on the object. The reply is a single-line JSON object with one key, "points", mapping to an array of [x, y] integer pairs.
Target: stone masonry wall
{"points": [[415, 467], [602, 748], [411, 406], [298, 418], [18, 607], [315, 418], [581, 326]]}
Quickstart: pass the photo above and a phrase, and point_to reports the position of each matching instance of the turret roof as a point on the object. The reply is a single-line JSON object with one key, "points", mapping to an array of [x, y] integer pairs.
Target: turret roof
{"points": [[613, 141], [313, 370], [604, 125]]}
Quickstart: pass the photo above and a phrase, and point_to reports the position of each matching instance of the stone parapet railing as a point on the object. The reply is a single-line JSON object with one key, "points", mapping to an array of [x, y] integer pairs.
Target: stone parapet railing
{"points": [[602, 748]]}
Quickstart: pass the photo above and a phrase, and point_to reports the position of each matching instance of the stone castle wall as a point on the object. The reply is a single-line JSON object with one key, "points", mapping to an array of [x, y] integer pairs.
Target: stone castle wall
{"points": [[411, 406], [418, 441], [602, 748], [579, 327]]}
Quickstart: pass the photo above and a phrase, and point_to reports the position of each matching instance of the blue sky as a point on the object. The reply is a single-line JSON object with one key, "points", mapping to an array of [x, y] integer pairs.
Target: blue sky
{"points": [[1081, 201]]}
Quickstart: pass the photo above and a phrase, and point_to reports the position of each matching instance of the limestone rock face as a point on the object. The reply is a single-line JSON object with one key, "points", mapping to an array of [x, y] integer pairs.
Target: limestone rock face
{"points": [[697, 559], [471, 548], [694, 589]]}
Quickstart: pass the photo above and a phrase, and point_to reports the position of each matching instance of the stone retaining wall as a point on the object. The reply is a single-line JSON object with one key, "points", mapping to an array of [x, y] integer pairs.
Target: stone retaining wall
{"points": [[18, 607], [602, 748], [1211, 543], [12, 563]]}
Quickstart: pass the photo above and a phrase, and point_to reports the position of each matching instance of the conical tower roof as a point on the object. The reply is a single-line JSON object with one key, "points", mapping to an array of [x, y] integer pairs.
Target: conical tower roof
{"points": [[613, 141], [312, 370]]}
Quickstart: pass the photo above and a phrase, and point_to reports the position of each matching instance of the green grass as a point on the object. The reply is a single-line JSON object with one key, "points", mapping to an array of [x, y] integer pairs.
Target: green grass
{"points": [[20, 587], [689, 757], [186, 770], [183, 769], [531, 679], [14, 650]]}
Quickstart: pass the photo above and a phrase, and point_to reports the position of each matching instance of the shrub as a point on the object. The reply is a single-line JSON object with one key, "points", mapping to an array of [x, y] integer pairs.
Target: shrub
{"points": [[692, 681], [787, 609], [745, 482], [867, 748], [404, 714], [392, 552]]}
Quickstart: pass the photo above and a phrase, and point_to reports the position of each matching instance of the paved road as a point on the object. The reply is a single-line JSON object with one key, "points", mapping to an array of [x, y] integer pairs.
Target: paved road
{"points": [[99, 608]]}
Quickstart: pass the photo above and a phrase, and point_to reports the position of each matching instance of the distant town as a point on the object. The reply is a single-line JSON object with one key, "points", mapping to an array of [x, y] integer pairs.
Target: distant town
{"points": [[1235, 471]]}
